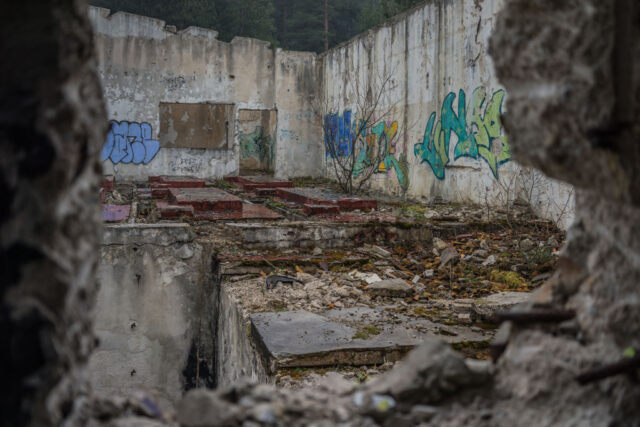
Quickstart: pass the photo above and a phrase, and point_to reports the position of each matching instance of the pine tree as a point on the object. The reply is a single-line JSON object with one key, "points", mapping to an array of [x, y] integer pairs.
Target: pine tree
{"points": [[181, 13], [246, 18]]}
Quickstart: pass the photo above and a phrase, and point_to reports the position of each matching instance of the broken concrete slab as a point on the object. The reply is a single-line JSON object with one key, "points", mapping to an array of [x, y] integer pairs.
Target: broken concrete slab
{"points": [[176, 182], [115, 213], [395, 288], [317, 234], [310, 209], [249, 211], [350, 336], [449, 256], [487, 307], [253, 183], [317, 196], [145, 234], [205, 199]]}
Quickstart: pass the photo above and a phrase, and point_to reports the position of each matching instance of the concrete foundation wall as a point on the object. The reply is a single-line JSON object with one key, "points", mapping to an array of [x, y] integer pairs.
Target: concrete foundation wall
{"points": [[436, 145], [237, 357], [153, 313], [143, 62]]}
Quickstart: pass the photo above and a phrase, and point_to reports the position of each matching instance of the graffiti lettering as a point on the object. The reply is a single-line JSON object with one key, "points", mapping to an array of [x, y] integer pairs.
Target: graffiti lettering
{"points": [[130, 142], [258, 145], [477, 127], [374, 143]]}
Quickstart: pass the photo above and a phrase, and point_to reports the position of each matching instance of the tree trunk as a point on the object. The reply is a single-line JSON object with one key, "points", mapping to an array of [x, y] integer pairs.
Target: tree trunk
{"points": [[52, 125]]}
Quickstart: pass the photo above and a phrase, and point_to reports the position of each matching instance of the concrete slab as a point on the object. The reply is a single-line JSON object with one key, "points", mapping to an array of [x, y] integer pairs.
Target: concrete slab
{"points": [[115, 213], [176, 182], [352, 336], [249, 211], [206, 199], [173, 211], [252, 183], [320, 197], [318, 234]]}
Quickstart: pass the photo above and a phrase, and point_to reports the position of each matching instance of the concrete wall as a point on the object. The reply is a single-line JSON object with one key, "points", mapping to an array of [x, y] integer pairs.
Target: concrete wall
{"points": [[143, 62], [237, 357], [153, 311], [435, 144]]}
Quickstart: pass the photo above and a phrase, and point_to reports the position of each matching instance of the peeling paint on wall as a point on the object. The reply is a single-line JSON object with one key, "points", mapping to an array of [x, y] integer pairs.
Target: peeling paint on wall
{"points": [[130, 142], [476, 125]]}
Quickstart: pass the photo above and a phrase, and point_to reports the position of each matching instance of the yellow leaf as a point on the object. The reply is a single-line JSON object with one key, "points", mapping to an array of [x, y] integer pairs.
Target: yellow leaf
{"points": [[299, 270]]}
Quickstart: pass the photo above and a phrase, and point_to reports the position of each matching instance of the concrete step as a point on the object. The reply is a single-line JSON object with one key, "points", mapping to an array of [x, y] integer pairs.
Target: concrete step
{"points": [[300, 339]]}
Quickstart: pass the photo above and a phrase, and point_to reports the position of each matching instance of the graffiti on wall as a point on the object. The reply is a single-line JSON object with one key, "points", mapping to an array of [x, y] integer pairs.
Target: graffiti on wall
{"points": [[477, 127], [372, 144], [257, 145], [130, 142]]}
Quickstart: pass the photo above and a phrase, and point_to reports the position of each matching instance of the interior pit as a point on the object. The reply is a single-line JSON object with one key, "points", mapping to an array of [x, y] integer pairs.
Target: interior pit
{"points": [[207, 282]]}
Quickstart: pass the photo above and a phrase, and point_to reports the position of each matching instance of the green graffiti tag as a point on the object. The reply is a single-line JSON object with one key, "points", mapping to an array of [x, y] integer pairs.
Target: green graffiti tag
{"points": [[477, 127], [378, 144], [258, 145]]}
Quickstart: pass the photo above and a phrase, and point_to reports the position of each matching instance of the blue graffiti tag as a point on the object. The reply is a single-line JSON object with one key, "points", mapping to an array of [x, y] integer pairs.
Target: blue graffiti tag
{"points": [[130, 142]]}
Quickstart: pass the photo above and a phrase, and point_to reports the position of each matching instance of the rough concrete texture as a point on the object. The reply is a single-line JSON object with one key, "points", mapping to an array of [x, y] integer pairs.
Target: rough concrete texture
{"points": [[438, 67], [237, 357], [580, 76], [436, 57], [144, 62], [153, 314], [342, 337], [52, 124], [309, 234]]}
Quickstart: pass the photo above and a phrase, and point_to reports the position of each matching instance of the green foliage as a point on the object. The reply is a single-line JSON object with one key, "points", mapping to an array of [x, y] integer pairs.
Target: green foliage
{"points": [[246, 18], [181, 13], [291, 24], [365, 332]]}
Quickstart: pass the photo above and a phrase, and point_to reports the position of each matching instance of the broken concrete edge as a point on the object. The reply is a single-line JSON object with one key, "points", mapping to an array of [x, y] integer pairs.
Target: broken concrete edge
{"points": [[147, 234], [341, 356]]}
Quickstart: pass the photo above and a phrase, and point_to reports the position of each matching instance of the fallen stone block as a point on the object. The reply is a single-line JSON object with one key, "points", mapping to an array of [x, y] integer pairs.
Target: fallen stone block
{"points": [[390, 288], [487, 307], [429, 374], [449, 256]]}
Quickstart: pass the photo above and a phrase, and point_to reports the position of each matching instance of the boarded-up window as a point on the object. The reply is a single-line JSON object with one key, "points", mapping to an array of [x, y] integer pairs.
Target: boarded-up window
{"points": [[196, 125]]}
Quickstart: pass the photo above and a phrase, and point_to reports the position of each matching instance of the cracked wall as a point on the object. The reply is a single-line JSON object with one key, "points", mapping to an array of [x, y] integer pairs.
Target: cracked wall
{"points": [[145, 63], [439, 121]]}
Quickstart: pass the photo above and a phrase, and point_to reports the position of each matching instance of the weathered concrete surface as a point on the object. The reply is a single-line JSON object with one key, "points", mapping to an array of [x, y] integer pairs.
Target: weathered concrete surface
{"points": [[436, 56], [202, 125], [257, 135], [574, 65], [144, 62], [310, 234], [299, 146], [237, 356], [341, 337], [153, 313], [52, 123]]}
